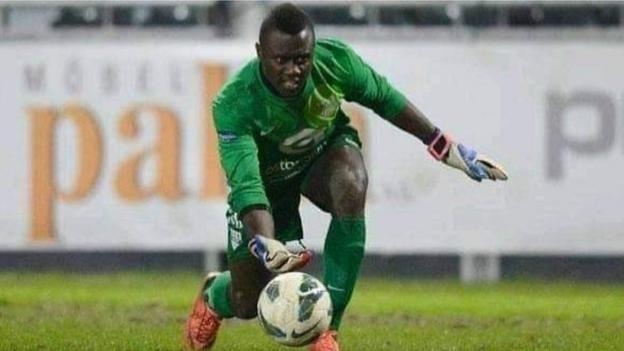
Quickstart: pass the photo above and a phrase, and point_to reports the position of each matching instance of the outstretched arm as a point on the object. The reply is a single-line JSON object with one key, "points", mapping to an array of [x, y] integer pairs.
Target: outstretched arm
{"points": [[414, 122], [363, 85], [443, 148]]}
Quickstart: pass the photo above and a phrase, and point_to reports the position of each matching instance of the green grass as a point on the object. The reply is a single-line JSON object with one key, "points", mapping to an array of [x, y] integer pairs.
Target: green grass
{"points": [[145, 311]]}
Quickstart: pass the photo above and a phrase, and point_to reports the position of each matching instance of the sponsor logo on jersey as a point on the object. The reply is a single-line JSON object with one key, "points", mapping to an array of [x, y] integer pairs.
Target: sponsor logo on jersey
{"points": [[322, 106], [302, 141], [287, 168], [227, 136]]}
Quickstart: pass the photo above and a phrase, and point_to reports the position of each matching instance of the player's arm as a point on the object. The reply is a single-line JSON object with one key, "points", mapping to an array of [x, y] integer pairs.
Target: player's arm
{"points": [[238, 153], [265, 247], [257, 219], [443, 148], [239, 159], [411, 120], [372, 90]]}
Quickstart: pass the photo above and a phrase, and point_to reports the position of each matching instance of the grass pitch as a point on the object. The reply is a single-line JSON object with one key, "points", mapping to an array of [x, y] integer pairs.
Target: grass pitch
{"points": [[145, 311]]}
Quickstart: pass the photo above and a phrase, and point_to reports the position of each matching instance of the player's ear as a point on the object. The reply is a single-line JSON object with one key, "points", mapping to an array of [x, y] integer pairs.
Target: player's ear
{"points": [[258, 50]]}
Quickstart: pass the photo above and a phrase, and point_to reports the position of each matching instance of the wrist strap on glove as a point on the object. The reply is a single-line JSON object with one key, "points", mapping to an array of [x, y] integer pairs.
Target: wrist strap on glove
{"points": [[275, 256], [257, 248], [475, 165], [439, 145]]}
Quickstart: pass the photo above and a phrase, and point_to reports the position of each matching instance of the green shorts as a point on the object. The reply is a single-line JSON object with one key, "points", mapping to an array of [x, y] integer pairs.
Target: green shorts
{"points": [[284, 197]]}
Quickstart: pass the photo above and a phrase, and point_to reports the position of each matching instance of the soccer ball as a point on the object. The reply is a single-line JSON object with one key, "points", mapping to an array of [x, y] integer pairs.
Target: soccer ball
{"points": [[294, 308]]}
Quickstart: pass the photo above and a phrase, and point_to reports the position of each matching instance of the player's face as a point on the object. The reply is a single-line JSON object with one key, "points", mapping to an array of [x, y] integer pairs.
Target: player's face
{"points": [[286, 60]]}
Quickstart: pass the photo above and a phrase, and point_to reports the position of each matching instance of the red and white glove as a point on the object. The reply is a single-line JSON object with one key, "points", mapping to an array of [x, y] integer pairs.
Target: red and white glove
{"points": [[275, 256]]}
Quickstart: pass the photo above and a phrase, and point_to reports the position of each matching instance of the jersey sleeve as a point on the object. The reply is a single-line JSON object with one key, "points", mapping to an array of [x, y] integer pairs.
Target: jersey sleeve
{"points": [[239, 157], [369, 88]]}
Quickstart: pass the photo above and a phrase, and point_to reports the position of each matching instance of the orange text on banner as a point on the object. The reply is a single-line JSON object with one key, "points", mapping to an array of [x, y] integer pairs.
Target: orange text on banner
{"points": [[213, 185], [44, 121], [166, 151]]}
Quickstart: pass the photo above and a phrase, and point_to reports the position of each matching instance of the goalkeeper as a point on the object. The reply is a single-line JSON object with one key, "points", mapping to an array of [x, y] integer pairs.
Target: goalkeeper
{"points": [[282, 134]]}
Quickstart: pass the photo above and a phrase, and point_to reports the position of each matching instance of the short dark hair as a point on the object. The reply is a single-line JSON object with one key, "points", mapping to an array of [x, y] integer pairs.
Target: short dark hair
{"points": [[286, 18]]}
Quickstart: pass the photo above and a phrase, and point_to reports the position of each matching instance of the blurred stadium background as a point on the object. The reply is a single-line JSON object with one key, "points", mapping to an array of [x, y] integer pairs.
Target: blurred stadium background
{"points": [[109, 161]]}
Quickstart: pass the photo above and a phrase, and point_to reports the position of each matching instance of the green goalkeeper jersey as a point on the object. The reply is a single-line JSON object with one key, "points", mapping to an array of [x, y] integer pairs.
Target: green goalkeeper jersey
{"points": [[265, 139]]}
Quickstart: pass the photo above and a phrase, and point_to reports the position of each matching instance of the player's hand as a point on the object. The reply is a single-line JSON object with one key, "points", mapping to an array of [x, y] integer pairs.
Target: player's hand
{"points": [[275, 256], [475, 165]]}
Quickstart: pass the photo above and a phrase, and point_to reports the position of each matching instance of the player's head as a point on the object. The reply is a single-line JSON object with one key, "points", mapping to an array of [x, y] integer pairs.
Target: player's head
{"points": [[285, 49]]}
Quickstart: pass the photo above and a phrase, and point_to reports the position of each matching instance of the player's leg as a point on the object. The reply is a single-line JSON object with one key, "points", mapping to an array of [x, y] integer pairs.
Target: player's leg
{"points": [[249, 277], [248, 274], [236, 291], [233, 293], [337, 183], [228, 294]]}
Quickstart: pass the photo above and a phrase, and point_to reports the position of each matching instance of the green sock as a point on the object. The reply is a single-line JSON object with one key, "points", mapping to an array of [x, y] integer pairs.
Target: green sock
{"points": [[342, 256], [218, 295]]}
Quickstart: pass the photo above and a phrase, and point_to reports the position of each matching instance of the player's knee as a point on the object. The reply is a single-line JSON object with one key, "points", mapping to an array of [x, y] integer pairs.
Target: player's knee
{"points": [[349, 192]]}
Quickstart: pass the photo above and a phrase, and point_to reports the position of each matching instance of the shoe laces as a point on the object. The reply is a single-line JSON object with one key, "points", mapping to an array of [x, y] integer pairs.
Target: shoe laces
{"points": [[207, 326]]}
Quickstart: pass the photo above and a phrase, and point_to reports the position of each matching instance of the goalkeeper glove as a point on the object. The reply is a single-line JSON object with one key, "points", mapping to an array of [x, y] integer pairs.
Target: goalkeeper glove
{"points": [[475, 165], [275, 256]]}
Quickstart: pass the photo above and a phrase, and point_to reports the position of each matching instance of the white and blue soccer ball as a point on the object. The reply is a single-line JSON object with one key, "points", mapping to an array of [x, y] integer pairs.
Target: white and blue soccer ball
{"points": [[294, 309]]}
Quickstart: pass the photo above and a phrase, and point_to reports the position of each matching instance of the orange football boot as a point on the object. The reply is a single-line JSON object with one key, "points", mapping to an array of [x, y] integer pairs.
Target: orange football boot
{"points": [[203, 323], [328, 341]]}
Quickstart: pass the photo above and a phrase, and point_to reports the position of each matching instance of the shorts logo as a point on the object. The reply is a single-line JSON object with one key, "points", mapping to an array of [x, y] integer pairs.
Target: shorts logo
{"points": [[235, 229], [236, 238]]}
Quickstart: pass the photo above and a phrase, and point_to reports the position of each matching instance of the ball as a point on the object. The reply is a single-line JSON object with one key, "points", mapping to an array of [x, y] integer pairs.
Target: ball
{"points": [[294, 309]]}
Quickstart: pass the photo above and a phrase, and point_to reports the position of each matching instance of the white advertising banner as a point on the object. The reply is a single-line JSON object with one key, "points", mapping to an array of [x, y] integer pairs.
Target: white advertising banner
{"points": [[109, 145]]}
